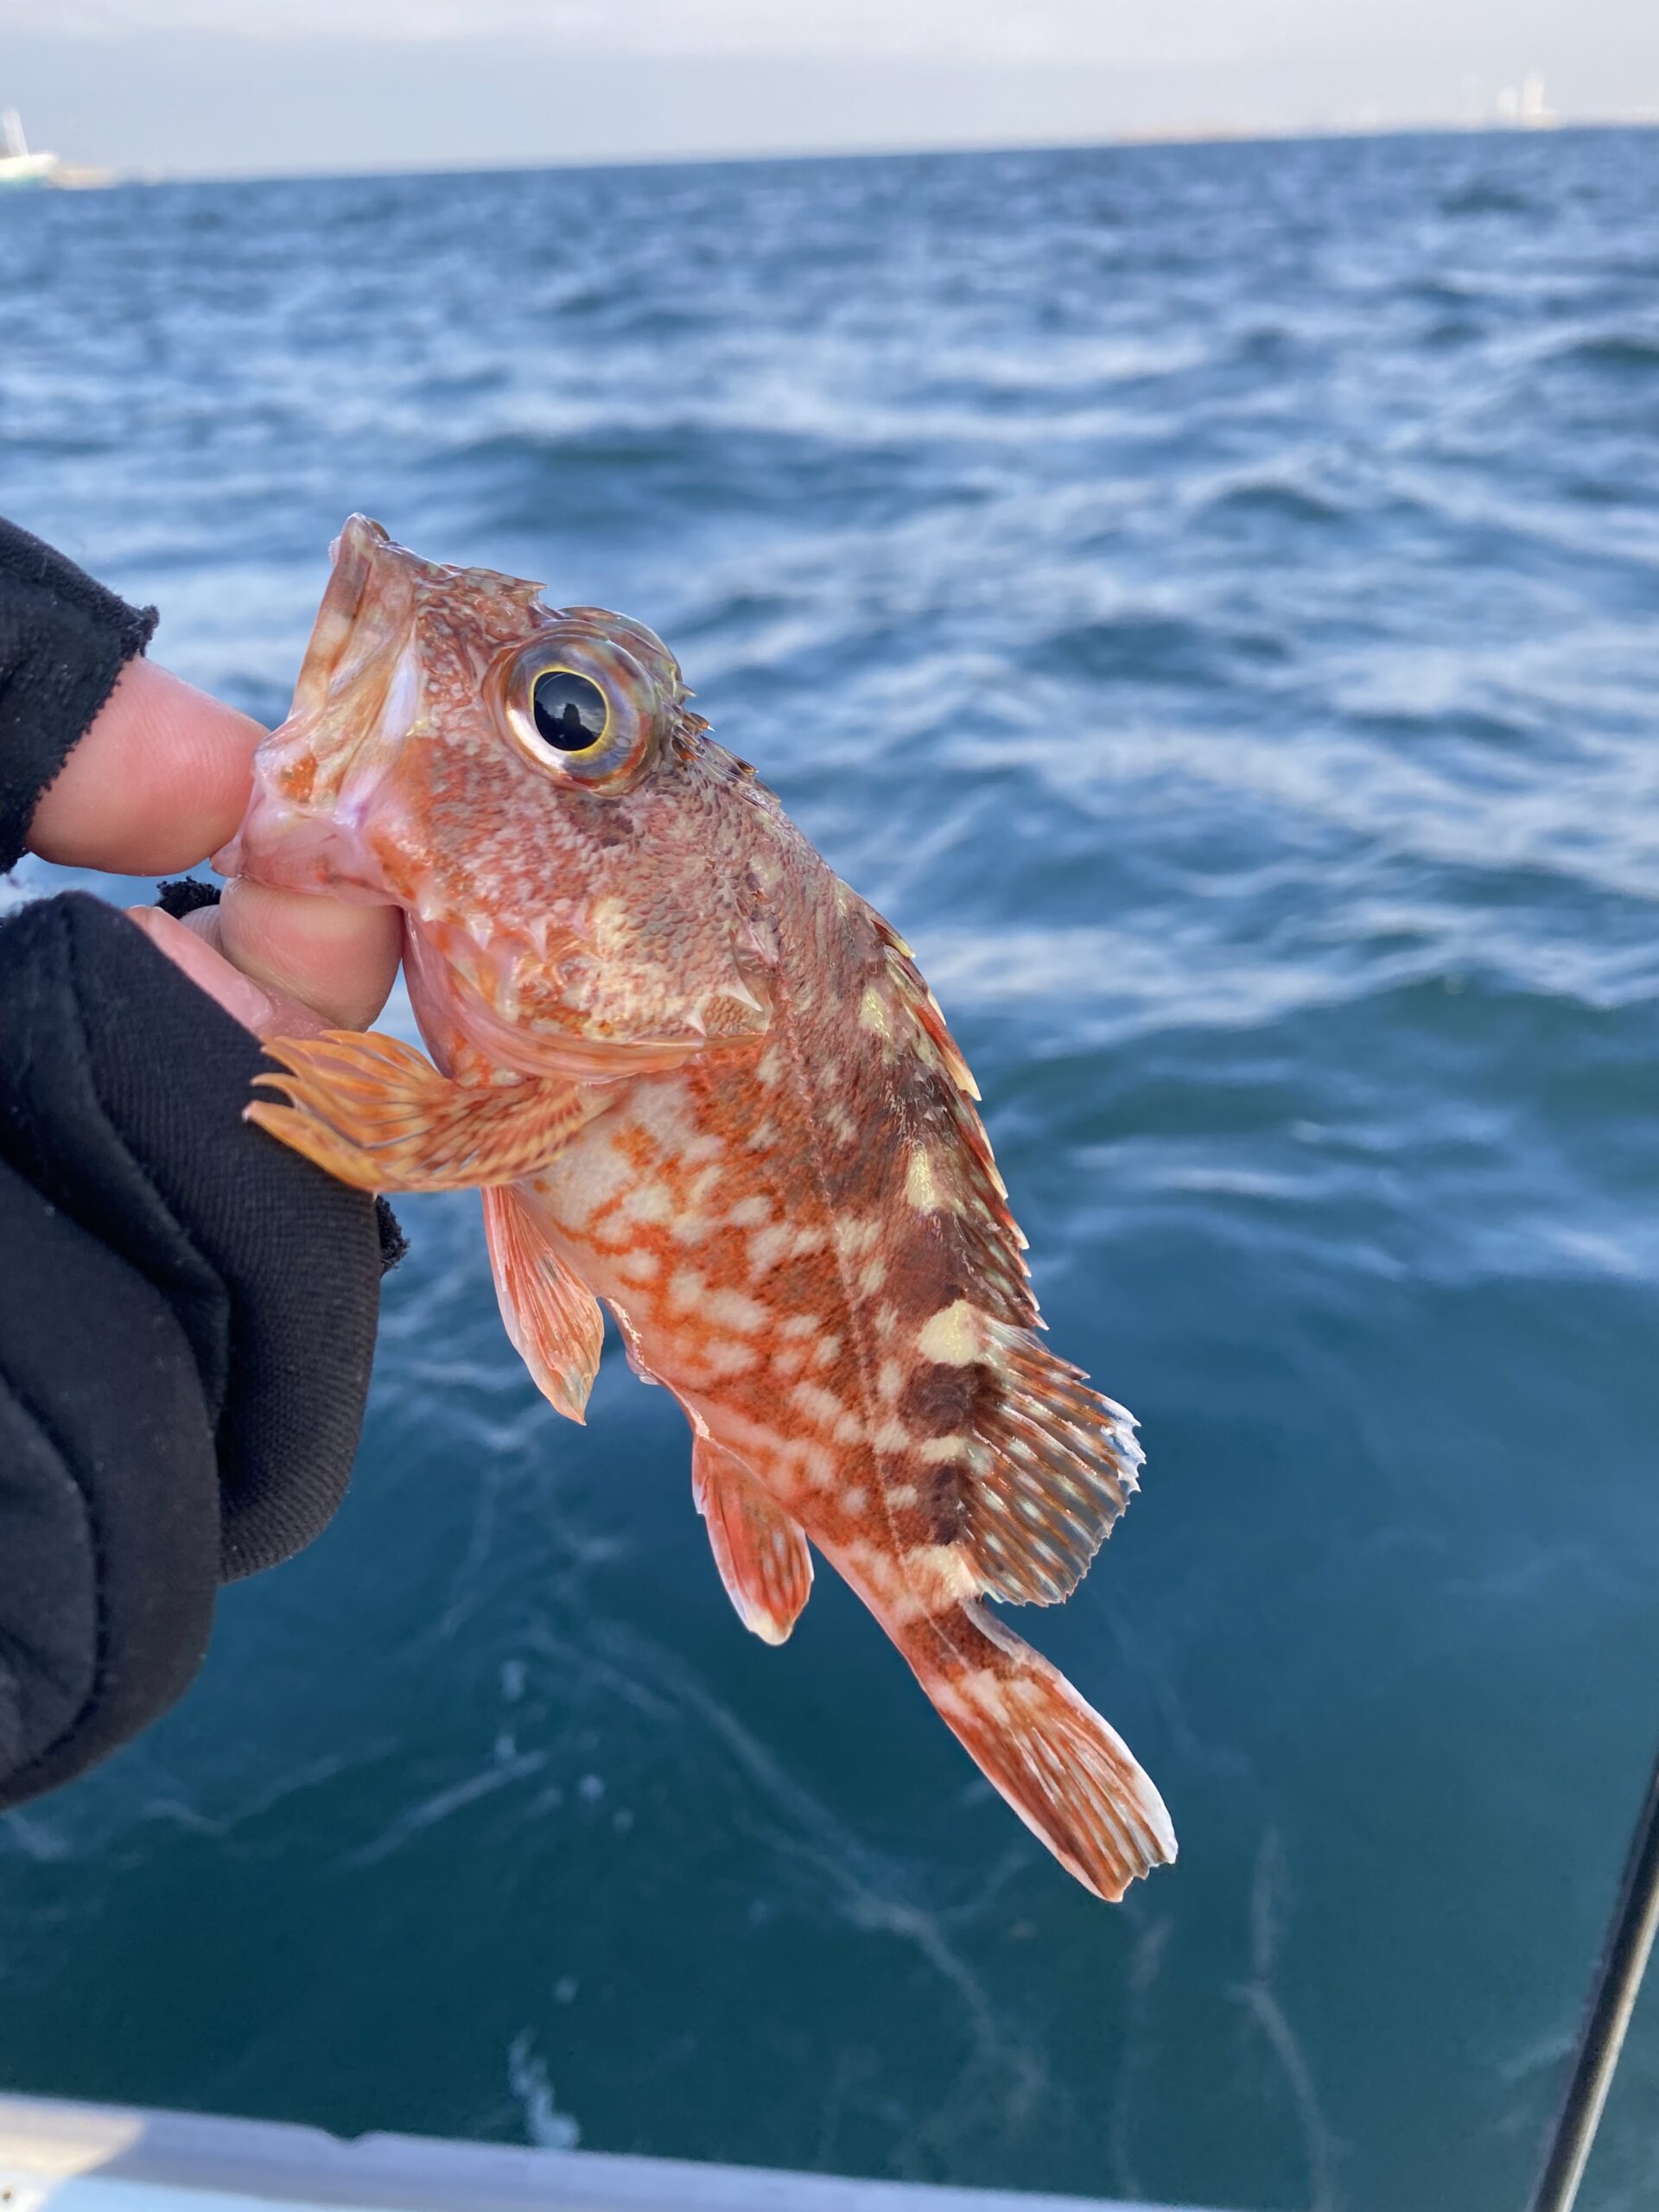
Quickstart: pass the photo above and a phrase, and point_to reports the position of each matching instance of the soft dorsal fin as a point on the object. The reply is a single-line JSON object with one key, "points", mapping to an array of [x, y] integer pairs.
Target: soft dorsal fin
{"points": [[759, 1549], [1049, 1467], [552, 1319]]}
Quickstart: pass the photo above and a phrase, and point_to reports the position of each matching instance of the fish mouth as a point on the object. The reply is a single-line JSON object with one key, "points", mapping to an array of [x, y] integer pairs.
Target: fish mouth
{"points": [[356, 556], [357, 692], [361, 672]]}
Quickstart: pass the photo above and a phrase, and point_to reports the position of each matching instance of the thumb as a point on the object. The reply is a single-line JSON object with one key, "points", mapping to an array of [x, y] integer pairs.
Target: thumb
{"points": [[268, 1014]]}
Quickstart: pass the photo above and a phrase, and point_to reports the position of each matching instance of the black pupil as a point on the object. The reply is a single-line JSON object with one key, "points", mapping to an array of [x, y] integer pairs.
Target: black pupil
{"points": [[570, 711]]}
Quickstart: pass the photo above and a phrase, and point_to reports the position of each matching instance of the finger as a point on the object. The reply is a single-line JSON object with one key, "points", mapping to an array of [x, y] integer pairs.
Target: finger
{"points": [[338, 960], [246, 1001], [159, 781]]}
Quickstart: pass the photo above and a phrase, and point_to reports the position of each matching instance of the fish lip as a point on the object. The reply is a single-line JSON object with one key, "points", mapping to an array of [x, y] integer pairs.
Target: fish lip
{"points": [[357, 651], [353, 557]]}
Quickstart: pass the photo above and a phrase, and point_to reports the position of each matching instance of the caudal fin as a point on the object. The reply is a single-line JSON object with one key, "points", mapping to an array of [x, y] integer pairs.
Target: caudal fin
{"points": [[1070, 1777]]}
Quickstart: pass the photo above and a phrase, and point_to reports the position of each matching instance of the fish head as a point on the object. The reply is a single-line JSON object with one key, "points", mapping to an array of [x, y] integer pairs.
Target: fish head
{"points": [[571, 852]]}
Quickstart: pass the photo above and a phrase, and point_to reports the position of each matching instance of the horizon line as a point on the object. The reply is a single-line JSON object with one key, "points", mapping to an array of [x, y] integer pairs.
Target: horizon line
{"points": [[1205, 134]]}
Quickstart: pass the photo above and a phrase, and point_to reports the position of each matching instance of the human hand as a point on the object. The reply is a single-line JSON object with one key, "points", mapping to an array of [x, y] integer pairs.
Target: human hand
{"points": [[187, 1314], [161, 780]]}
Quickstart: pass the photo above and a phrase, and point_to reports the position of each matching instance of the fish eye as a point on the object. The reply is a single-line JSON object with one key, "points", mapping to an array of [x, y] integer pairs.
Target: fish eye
{"points": [[579, 708], [570, 711]]}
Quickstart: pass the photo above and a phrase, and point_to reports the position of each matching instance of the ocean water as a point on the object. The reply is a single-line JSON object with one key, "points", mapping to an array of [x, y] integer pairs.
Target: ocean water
{"points": [[1209, 598]]}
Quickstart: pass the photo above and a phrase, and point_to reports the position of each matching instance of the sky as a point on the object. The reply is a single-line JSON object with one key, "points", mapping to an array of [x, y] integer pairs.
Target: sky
{"points": [[258, 87]]}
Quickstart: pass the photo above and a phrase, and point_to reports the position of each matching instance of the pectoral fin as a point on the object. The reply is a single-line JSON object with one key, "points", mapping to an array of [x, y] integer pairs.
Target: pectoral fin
{"points": [[376, 1113], [552, 1318], [759, 1548]]}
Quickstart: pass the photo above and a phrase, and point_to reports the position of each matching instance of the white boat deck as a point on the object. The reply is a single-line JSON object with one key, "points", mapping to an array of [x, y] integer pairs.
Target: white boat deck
{"points": [[77, 2158]]}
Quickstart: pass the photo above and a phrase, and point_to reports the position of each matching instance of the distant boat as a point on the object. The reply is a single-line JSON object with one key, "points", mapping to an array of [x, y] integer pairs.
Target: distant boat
{"points": [[19, 168]]}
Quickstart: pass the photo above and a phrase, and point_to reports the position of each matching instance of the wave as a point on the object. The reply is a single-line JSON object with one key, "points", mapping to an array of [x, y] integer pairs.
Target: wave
{"points": [[1634, 353]]}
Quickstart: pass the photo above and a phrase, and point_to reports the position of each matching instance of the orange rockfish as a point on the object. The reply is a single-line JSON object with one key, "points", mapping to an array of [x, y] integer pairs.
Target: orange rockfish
{"points": [[698, 1079]]}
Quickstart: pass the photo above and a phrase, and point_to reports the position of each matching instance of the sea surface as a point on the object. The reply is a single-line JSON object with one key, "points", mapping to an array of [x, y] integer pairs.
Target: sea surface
{"points": [[1208, 597]]}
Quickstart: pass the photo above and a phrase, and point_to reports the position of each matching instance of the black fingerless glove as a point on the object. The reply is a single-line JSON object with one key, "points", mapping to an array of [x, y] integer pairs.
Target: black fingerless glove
{"points": [[188, 1309]]}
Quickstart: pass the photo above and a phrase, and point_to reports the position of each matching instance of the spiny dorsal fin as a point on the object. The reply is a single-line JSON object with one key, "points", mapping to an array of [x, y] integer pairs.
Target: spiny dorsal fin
{"points": [[759, 1548], [553, 1320], [972, 1191]]}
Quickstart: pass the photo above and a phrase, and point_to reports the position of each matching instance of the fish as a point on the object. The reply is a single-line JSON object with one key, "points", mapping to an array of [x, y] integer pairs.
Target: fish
{"points": [[701, 1083]]}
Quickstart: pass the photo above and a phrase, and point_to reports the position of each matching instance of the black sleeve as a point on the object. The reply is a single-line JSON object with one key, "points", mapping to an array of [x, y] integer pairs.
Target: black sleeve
{"points": [[187, 1309]]}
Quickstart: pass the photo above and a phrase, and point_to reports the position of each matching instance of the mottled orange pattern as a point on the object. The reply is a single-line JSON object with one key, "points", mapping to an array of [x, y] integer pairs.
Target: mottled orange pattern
{"points": [[701, 1080]]}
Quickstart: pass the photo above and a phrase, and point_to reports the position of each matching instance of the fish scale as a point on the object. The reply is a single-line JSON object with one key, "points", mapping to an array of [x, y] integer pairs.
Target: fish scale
{"points": [[699, 1080]]}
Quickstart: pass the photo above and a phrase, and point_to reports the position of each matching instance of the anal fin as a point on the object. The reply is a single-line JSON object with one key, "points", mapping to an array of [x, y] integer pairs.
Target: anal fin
{"points": [[759, 1549], [551, 1317]]}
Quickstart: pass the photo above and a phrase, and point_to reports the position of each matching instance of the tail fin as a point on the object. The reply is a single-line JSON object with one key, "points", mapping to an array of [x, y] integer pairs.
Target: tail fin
{"points": [[1072, 1779]]}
